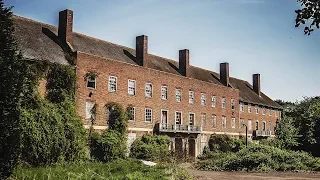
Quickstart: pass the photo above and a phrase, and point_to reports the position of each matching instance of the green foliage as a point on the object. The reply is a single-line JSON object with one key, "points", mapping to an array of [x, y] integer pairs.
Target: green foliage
{"points": [[223, 143], [12, 77], [308, 15], [151, 147], [261, 158], [129, 169], [109, 146], [286, 134], [117, 118]]}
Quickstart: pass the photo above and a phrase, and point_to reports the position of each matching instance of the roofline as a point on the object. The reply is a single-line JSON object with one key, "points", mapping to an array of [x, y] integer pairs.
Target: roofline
{"points": [[259, 104]]}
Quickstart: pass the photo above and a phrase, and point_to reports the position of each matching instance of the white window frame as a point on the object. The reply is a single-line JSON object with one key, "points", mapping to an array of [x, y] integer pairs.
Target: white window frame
{"points": [[233, 122], [263, 111], [109, 84], [164, 96], [145, 115], [134, 88], [167, 115], [241, 107], [233, 104], [223, 103], [224, 122], [255, 125], [191, 97], [178, 95], [134, 114], [265, 126], [249, 108], [214, 121], [203, 117], [203, 99], [256, 109], [249, 125], [194, 118], [241, 123], [175, 117], [213, 101], [148, 94], [90, 105], [95, 82]]}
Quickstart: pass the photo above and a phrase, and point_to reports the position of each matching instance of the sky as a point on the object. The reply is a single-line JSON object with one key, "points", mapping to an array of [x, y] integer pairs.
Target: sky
{"points": [[253, 36]]}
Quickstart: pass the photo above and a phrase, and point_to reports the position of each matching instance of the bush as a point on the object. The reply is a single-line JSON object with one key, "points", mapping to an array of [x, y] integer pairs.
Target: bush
{"points": [[108, 146], [260, 158], [151, 147], [223, 143]]}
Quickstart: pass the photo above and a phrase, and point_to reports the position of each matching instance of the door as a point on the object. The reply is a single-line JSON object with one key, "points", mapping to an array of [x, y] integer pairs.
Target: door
{"points": [[164, 116], [192, 147]]}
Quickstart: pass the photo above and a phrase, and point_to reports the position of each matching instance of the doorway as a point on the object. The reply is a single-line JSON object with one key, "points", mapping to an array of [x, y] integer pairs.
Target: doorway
{"points": [[164, 116]]}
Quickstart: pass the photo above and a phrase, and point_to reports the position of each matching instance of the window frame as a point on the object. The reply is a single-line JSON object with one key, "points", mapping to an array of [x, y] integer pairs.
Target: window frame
{"points": [[241, 107], [256, 127], [224, 122], [233, 104], [134, 114], [191, 94], [95, 83], [249, 108], [86, 107], [135, 87], [214, 121], [116, 84], [203, 118], [256, 108], [223, 103], [175, 117], [180, 96], [194, 118], [263, 111], [145, 115], [203, 99], [241, 123], [145, 90], [162, 97], [233, 122], [249, 125], [214, 101]]}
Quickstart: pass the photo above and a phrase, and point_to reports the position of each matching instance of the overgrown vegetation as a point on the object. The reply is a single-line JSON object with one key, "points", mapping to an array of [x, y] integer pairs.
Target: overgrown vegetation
{"points": [[223, 143], [118, 169], [112, 144], [151, 147]]}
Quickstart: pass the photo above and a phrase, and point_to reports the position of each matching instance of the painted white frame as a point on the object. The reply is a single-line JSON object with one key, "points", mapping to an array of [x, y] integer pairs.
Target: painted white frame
{"points": [[214, 120], [255, 125], [191, 100], [109, 85], [135, 87], [241, 107], [175, 117], [223, 103], [224, 121], [178, 90], [134, 115], [95, 83], [214, 101], [145, 90], [249, 125], [145, 115], [203, 99], [249, 108], [167, 94], [167, 115], [233, 122], [194, 118]]}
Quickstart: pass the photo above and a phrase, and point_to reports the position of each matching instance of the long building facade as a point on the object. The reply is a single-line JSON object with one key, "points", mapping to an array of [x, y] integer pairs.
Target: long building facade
{"points": [[164, 96]]}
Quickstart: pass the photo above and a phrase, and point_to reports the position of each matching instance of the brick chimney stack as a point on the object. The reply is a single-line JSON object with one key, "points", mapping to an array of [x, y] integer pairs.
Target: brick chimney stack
{"points": [[256, 83], [224, 73], [142, 50], [184, 62], [65, 26]]}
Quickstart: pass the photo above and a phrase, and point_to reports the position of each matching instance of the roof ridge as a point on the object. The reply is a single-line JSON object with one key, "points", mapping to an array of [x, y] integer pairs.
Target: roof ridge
{"points": [[32, 20]]}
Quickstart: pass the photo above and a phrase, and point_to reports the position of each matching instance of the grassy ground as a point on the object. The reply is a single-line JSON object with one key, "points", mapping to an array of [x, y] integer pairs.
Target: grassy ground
{"points": [[120, 169]]}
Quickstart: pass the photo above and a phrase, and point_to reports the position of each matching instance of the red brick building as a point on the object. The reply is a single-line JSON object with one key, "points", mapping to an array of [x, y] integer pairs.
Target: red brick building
{"points": [[165, 96]]}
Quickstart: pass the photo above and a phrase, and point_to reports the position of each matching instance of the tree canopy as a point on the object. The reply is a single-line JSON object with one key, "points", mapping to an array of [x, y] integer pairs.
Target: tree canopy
{"points": [[308, 15]]}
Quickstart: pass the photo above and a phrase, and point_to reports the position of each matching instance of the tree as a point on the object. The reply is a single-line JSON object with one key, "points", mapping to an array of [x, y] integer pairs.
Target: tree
{"points": [[308, 15], [12, 76], [286, 134]]}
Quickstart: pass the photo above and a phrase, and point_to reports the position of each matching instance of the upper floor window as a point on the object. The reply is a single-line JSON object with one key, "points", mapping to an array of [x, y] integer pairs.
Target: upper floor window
{"points": [[214, 121], [191, 119], [233, 122], [132, 111], [148, 90], [264, 126], [241, 107], [178, 117], [241, 123], [203, 99], [223, 102], [89, 110], [257, 125], [214, 101], [191, 97], [263, 111], [131, 87], [91, 82], [249, 125], [224, 122], [249, 108], [257, 109], [233, 104], [164, 92], [203, 119], [112, 86], [178, 95], [148, 115]]}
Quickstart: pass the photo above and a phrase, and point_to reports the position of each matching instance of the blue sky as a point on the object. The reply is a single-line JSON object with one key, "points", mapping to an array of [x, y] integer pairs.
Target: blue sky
{"points": [[254, 36]]}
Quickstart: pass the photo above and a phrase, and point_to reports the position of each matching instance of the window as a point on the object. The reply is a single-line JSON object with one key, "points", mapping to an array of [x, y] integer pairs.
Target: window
{"points": [[203, 119], [164, 92], [132, 115], [89, 112], [241, 123], [178, 118], [91, 82], [249, 125], [164, 116], [257, 109], [191, 119], [178, 95], [112, 86], [233, 104], [233, 122], [131, 87], [264, 125], [270, 112], [214, 121], [224, 122], [203, 99], [249, 108], [214, 101], [257, 125], [148, 90], [191, 97], [148, 114], [223, 102], [263, 111], [241, 107]]}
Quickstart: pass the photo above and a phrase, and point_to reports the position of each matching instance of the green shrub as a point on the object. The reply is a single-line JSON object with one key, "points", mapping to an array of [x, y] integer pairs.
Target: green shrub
{"points": [[223, 143], [151, 147]]}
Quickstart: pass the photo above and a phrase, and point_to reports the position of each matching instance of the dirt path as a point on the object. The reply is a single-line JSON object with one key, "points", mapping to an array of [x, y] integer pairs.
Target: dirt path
{"points": [[213, 175]]}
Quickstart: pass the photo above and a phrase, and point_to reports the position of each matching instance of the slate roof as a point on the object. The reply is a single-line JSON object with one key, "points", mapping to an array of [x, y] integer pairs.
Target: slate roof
{"points": [[37, 41]]}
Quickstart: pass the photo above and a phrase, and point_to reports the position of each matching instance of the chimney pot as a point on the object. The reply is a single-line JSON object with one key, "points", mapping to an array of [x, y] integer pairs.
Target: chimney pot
{"points": [[184, 62], [224, 73], [142, 50], [256, 83], [65, 26]]}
